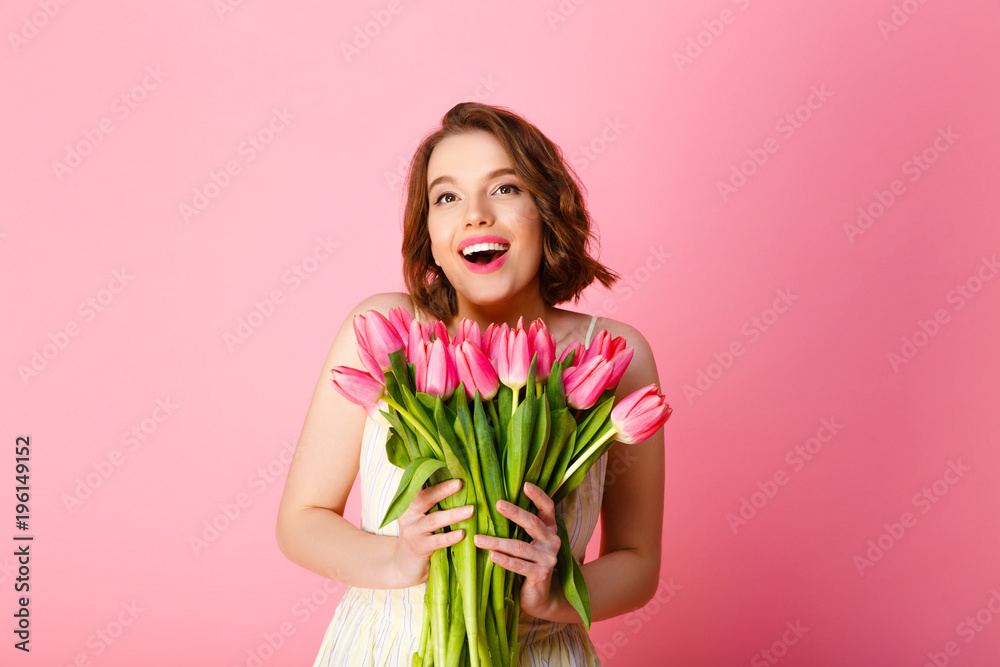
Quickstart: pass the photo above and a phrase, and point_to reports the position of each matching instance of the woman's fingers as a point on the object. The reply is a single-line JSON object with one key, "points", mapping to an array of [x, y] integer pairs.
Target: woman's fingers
{"points": [[541, 527], [542, 500], [436, 520], [432, 495]]}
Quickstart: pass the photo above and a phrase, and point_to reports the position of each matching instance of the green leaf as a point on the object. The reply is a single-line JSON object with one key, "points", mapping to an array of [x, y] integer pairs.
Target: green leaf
{"points": [[401, 370], [396, 452], [571, 576], [426, 399], [400, 428], [493, 483], [555, 388], [593, 424], [563, 425], [413, 479], [518, 443], [416, 409], [504, 405], [562, 465], [577, 477], [539, 445]]}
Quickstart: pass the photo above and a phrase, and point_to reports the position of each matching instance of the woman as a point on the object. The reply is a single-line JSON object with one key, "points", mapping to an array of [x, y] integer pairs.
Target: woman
{"points": [[486, 177]]}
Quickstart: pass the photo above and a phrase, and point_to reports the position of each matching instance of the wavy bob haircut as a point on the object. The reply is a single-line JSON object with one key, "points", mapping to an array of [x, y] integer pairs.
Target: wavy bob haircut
{"points": [[567, 268]]}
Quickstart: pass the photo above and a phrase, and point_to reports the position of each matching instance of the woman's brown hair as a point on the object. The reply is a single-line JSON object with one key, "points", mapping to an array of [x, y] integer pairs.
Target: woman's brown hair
{"points": [[567, 267]]}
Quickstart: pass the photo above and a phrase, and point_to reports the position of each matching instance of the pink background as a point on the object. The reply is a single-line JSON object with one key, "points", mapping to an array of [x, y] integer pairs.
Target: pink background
{"points": [[652, 136]]}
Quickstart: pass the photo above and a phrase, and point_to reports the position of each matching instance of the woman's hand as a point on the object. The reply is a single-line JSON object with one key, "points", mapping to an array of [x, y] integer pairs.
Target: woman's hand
{"points": [[535, 560], [417, 539]]}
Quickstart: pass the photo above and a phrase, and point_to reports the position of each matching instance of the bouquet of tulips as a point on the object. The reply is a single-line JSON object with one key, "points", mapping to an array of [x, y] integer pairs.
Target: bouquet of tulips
{"points": [[494, 410]]}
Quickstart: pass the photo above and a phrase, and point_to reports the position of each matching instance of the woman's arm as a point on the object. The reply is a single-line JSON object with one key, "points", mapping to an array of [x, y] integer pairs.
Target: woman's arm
{"points": [[311, 529]]}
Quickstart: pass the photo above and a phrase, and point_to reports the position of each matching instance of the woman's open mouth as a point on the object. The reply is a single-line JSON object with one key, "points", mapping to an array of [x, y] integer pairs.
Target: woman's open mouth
{"points": [[485, 257]]}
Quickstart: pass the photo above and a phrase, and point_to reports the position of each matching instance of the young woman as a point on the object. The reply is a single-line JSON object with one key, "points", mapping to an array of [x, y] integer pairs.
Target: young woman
{"points": [[487, 176]]}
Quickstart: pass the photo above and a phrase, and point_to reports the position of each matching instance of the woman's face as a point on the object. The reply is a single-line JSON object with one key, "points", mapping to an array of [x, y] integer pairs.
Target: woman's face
{"points": [[473, 192]]}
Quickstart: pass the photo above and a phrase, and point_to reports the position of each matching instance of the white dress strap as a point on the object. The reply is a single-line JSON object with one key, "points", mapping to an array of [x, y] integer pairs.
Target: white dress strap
{"points": [[593, 321]]}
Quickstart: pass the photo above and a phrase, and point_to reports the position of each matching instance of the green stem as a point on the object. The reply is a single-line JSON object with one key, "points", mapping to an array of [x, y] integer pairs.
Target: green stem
{"points": [[415, 423], [591, 448]]}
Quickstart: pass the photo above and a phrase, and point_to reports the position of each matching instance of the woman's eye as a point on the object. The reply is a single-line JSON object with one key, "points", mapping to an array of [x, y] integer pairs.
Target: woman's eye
{"points": [[442, 195], [513, 188]]}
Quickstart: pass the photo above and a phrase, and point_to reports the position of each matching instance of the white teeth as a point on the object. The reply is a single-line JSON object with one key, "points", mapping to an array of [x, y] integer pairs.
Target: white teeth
{"points": [[479, 247]]}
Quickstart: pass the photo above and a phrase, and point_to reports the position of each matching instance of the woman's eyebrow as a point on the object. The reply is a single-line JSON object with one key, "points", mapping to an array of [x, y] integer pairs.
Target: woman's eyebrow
{"points": [[502, 171]]}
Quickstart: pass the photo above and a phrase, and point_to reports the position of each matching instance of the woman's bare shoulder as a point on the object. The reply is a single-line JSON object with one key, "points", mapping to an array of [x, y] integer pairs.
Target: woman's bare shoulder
{"points": [[383, 302], [642, 367]]}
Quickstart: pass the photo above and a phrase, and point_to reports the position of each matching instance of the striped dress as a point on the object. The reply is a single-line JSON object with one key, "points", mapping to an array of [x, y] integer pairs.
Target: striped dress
{"points": [[381, 627]]}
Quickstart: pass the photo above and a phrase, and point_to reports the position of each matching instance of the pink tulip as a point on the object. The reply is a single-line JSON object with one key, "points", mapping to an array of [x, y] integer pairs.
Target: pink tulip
{"points": [[436, 371], [417, 355], [492, 339], [575, 345], [540, 341], [620, 362], [468, 330], [639, 415], [377, 339], [414, 341], [356, 386], [440, 331], [604, 345], [364, 352], [513, 359], [400, 319], [475, 371], [584, 384]]}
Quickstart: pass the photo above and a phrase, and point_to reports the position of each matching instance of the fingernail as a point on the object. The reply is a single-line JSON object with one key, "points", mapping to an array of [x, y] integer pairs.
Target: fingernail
{"points": [[467, 510]]}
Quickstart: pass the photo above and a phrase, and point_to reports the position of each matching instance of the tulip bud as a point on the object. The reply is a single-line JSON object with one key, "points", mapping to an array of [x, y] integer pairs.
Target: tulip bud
{"points": [[585, 384], [513, 361], [400, 319], [578, 347], [540, 341], [475, 371], [356, 386], [639, 415]]}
